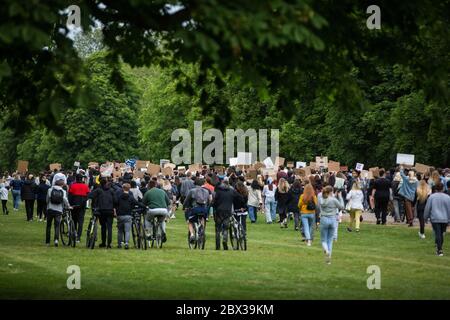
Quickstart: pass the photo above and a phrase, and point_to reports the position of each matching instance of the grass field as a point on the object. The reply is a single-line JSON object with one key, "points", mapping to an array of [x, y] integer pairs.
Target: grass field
{"points": [[277, 265]]}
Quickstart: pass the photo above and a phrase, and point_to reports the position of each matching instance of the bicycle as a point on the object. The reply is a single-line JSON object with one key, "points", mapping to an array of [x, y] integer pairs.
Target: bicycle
{"points": [[138, 230], [238, 237], [91, 232], [155, 239], [67, 230], [199, 224]]}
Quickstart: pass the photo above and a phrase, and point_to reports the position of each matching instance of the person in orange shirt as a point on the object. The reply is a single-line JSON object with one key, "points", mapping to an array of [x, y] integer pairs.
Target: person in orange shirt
{"points": [[307, 205]]}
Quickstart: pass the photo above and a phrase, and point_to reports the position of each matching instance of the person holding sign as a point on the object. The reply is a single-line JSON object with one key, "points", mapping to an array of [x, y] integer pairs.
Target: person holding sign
{"points": [[408, 191]]}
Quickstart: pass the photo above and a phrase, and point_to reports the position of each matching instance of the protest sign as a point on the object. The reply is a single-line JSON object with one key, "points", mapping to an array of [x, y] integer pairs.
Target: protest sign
{"points": [[279, 161], [93, 165], [312, 165], [167, 171], [268, 163], [321, 162], [233, 161], [22, 166], [141, 164], [251, 174], [162, 162], [307, 170], [244, 158], [181, 168], [359, 166], [403, 158], [299, 172], [290, 164], [339, 183], [300, 164], [364, 174], [219, 169], [138, 174], [54, 166], [76, 164], [195, 167], [153, 169], [422, 168], [334, 166], [258, 165]]}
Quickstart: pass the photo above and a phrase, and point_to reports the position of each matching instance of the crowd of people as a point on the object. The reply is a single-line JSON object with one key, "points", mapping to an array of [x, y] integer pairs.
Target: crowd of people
{"points": [[312, 202]]}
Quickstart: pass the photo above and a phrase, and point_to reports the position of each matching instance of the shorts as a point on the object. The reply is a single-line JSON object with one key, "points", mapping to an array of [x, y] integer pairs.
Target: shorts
{"points": [[193, 214]]}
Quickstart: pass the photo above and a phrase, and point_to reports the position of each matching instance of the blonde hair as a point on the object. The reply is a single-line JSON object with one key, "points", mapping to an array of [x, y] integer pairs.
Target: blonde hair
{"points": [[435, 177], [398, 176], [423, 190], [356, 186], [283, 186]]}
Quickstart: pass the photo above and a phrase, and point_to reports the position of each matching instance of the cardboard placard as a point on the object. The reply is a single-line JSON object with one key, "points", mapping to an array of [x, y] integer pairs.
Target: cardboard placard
{"points": [[364, 174], [163, 162], [138, 174], [258, 165], [290, 164], [343, 168], [153, 169], [93, 165], [167, 171], [422, 168], [268, 163], [359, 166], [195, 168], [279, 161], [54, 166], [307, 170], [219, 169], [321, 162], [141, 164], [334, 166], [312, 165], [299, 172], [403, 158], [251, 174], [22, 166]]}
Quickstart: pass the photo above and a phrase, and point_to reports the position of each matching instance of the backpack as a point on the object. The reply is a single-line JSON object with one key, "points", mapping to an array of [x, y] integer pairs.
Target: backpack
{"points": [[311, 205], [56, 196], [201, 196]]}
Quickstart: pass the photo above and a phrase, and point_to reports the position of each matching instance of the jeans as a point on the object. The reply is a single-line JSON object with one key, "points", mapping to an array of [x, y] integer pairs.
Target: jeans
{"points": [[106, 222], [78, 220], [222, 223], [52, 215], [328, 225], [124, 228], [41, 208], [308, 221], [29, 207], [252, 213], [16, 199], [381, 211], [396, 203], [439, 231], [271, 207], [297, 220]]}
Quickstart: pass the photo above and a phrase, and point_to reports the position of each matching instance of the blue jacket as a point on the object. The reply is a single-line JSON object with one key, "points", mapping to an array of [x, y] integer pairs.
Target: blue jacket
{"points": [[438, 208], [408, 189], [16, 184]]}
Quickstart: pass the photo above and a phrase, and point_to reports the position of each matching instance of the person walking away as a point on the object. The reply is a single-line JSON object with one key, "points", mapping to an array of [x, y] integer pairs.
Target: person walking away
{"points": [[28, 194], [355, 199], [254, 201], [158, 203], [41, 198], [437, 210], [295, 191], [16, 187], [381, 194], [196, 204], [186, 184], [104, 201], [397, 200], [328, 207], [240, 201], [125, 204], [307, 205], [135, 191], [4, 192], [56, 202], [223, 204], [281, 198], [408, 191], [269, 201], [422, 194], [78, 195], [58, 175]]}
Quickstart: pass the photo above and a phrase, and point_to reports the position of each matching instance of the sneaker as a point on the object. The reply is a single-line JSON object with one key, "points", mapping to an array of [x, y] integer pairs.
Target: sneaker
{"points": [[164, 238], [126, 246], [349, 229], [108, 246], [308, 243], [225, 246], [56, 243], [192, 239], [327, 258], [440, 253], [357, 230], [421, 235], [378, 221], [296, 228], [102, 245]]}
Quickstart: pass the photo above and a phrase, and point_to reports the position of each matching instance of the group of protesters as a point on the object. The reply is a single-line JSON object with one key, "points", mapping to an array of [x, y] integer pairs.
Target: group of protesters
{"points": [[312, 202]]}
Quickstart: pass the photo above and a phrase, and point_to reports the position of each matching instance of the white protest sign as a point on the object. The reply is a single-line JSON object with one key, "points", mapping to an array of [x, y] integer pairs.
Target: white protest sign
{"points": [[300, 164], [233, 161], [244, 158], [268, 163], [76, 164], [403, 158], [359, 166]]}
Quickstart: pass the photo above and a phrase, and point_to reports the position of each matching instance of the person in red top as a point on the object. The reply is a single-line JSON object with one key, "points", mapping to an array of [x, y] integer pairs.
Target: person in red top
{"points": [[78, 194]]}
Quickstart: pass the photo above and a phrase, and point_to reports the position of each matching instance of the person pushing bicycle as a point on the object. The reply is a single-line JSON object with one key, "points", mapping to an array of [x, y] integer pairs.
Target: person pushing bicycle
{"points": [[196, 205]]}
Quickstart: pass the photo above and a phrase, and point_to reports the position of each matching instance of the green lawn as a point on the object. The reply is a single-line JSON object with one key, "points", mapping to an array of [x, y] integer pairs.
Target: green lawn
{"points": [[277, 265]]}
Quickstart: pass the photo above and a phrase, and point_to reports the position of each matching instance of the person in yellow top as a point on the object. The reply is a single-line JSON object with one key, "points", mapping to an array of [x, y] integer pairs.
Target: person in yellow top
{"points": [[307, 205]]}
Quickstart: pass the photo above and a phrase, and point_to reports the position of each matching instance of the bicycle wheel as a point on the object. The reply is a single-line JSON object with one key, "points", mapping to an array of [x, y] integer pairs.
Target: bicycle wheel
{"points": [[143, 238], [242, 238], [93, 237], [190, 244], [201, 237], [64, 232], [135, 235], [73, 234], [234, 236], [159, 233], [88, 234]]}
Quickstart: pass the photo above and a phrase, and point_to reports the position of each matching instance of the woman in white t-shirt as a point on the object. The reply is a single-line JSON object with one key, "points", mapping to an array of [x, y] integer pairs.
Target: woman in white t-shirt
{"points": [[356, 200], [270, 204]]}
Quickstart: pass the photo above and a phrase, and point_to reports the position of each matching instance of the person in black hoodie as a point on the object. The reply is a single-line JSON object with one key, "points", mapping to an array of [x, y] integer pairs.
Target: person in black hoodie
{"points": [[104, 201], [125, 204], [294, 194], [223, 204], [240, 204], [41, 197], [28, 194]]}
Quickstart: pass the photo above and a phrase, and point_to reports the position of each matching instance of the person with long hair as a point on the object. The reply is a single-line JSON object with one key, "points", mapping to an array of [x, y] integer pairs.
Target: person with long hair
{"points": [[254, 200], [269, 201], [397, 199], [240, 204], [329, 205], [295, 191], [422, 193], [281, 197], [307, 204], [434, 179], [408, 191], [356, 199]]}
